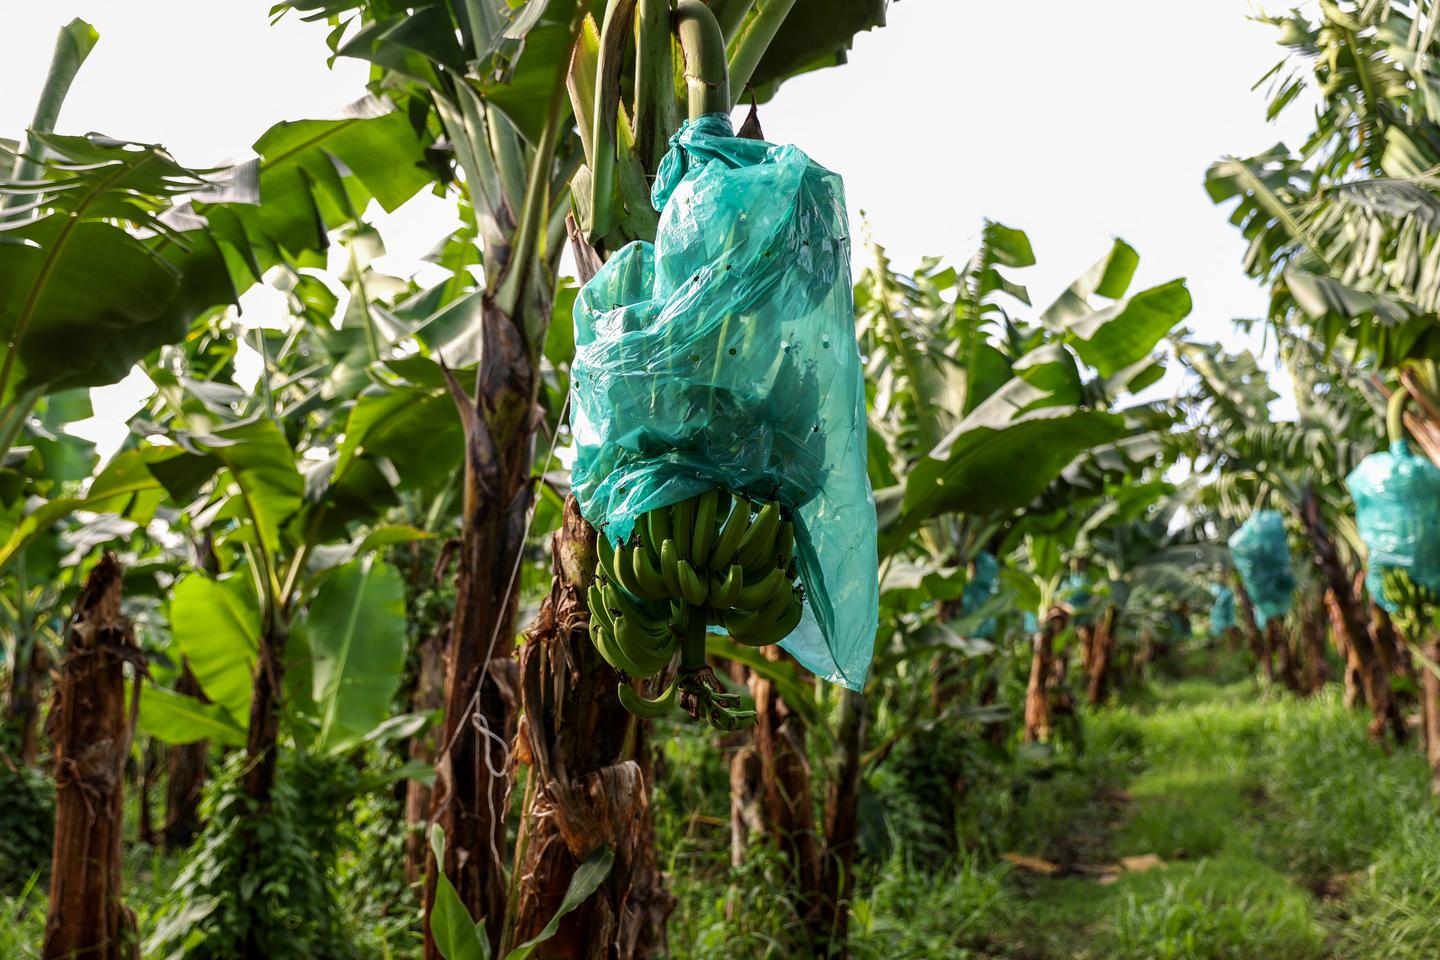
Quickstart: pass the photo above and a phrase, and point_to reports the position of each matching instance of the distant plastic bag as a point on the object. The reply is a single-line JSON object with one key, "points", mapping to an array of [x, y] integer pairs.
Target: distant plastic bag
{"points": [[725, 355], [1075, 594], [1397, 508], [978, 589], [1222, 611], [1262, 556]]}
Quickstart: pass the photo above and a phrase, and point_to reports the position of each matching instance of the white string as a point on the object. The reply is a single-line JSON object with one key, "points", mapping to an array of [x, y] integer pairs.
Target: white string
{"points": [[478, 720]]}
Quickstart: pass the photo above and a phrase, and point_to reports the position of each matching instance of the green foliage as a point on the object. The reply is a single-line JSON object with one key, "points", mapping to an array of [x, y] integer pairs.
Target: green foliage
{"points": [[27, 819], [258, 881], [356, 631]]}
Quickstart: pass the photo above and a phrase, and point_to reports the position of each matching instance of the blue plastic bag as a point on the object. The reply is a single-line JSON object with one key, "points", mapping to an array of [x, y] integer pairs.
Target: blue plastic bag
{"points": [[725, 355], [1075, 594], [1222, 611], [1397, 508], [978, 589], [1261, 552]]}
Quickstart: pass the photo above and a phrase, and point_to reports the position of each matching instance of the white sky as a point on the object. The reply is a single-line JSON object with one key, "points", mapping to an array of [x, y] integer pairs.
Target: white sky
{"points": [[1076, 122]]}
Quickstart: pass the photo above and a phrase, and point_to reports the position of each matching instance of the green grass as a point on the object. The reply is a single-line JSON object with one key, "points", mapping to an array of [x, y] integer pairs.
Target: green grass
{"points": [[1286, 834]]}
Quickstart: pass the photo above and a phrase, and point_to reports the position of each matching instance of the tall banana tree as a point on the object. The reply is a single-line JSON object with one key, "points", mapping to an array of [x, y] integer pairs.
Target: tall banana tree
{"points": [[1344, 229], [110, 249], [1249, 460], [527, 99]]}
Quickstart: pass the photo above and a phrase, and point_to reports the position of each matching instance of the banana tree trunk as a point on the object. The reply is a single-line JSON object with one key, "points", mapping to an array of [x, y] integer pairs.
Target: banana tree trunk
{"points": [[150, 759], [1347, 617], [473, 776], [773, 800], [842, 830], [429, 695], [585, 787], [1350, 672], [1085, 635], [1430, 703], [185, 776], [1102, 644], [92, 731], [780, 739], [22, 712], [262, 742], [262, 749], [1038, 722], [1312, 632], [1278, 643]]}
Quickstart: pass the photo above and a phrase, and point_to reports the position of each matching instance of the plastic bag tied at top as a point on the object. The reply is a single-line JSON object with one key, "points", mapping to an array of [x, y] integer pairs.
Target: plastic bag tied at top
{"points": [[725, 355], [1222, 610], [1397, 508], [978, 589], [1262, 556]]}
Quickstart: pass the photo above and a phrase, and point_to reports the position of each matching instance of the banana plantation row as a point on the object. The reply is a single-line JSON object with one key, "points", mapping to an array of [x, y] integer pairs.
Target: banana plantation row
{"points": [[422, 639]]}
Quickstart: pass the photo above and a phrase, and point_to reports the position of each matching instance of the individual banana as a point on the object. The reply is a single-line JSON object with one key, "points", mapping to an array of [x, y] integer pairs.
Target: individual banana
{"points": [[683, 526], [670, 568], [759, 540], [755, 595], [657, 523], [648, 574], [785, 544], [626, 575], [693, 587], [703, 536], [646, 650], [648, 709], [599, 609], [757, 632], [606, 553], [614, 654], [725, 591], [731, 532], [618, 599]]}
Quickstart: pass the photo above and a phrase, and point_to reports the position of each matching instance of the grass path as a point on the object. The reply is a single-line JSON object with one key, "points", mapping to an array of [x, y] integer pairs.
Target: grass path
{"points": [[1263, 827]]}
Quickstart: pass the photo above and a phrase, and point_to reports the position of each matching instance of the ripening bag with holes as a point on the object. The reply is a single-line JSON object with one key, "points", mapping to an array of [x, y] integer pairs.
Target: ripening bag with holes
{"points": [[1261, 552], [1397, 508], [724, 355], [980, 588], [1222, 611]]}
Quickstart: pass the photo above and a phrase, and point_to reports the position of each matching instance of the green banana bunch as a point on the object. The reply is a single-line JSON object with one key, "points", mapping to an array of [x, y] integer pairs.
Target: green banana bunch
{"points": [[1414, 602], [712, 559]]}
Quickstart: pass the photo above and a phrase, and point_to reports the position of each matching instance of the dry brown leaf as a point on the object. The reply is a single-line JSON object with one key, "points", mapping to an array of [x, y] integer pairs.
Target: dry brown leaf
{"points": [[1142, 863], [1033, 864]]}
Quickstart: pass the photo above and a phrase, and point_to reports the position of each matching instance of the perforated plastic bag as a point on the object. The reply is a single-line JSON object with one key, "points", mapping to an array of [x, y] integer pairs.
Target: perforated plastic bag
{"points": [[1262, 556], [725, 355], [1075, 594], [978, 589], [1222, 611], [1397, 508]]}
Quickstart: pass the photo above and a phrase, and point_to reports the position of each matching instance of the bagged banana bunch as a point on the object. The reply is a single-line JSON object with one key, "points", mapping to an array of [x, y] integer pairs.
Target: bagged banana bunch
{"points": [[1261, 552], [1222, 611], [1397, 508], [980, 588], [718, 409]]}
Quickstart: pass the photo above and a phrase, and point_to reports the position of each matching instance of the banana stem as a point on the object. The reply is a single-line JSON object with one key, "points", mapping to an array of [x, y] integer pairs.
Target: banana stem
{"points": [[72, 46], [692, 646], [1395, 414], [752, 42], [707, 80]]}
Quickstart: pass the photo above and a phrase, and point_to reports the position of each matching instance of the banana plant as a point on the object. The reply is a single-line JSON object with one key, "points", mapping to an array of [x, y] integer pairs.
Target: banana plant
{"points": [[1344, 230], [528, 98], [969, 392], [115, 249]]}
